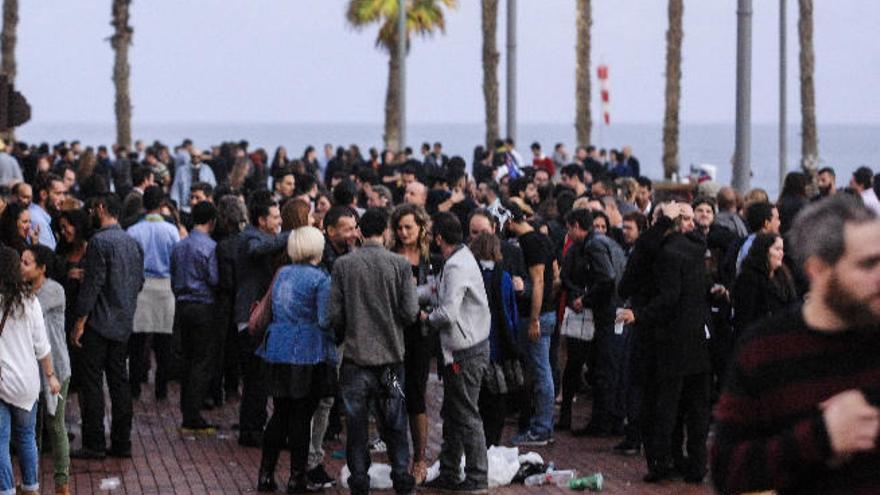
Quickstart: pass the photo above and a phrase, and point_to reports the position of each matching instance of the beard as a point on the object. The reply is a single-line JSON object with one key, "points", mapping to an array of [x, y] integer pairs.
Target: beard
{"points": [[853, 311]]}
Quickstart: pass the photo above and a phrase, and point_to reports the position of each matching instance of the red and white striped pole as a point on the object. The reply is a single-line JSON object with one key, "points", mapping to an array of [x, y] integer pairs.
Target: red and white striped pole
{"points": [[605, 93]]}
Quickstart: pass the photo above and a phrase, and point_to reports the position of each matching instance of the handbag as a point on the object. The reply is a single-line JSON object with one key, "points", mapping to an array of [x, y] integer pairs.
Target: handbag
{"points": [[578, 325], [260, 315]]}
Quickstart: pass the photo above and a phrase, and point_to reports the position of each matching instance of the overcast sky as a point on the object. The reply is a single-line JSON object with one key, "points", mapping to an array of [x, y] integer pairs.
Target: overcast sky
{"points": [[298, 61]]}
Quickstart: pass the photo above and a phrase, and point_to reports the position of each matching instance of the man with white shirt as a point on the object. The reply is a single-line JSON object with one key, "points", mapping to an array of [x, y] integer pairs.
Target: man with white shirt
{"points": [[862, 182]]}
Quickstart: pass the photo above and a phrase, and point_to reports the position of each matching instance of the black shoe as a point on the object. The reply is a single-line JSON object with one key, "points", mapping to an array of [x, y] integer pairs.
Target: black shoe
{"points": [[120, 453], [318, 476], [266, 481], [299, 483], [89, 454], [628, 447], [471, 486], [441, 483], [250, 439], [658, 472]]}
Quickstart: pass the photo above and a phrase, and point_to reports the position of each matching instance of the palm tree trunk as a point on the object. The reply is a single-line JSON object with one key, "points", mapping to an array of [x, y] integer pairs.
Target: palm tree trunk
{"points": [[490, 69], [392, 102], [674, 37], [809, 137], [8, 39], [120, 41], [583, 121]]}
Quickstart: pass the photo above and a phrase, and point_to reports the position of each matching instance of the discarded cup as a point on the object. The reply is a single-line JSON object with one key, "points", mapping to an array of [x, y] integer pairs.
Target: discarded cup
{"points": [[593, 483], [108, 484]]}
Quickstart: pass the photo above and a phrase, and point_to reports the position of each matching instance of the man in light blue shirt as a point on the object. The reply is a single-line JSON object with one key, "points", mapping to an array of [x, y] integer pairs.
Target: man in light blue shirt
{"points": [[49, 193], [155, 304]]}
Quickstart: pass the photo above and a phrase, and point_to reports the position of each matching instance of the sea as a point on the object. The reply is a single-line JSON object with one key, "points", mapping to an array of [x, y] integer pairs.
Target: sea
{"points": [[842, 146]]}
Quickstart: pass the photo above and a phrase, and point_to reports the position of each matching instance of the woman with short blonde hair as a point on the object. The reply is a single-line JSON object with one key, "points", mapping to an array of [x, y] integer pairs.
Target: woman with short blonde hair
{"points": [[301, 355]]}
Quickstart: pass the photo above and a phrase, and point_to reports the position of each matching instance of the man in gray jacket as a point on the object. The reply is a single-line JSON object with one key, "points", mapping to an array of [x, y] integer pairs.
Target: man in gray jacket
{"points": [[372, 300], [462, 317]]}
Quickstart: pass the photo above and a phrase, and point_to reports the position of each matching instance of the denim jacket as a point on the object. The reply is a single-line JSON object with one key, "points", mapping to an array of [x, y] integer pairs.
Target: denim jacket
{"points": [[299, 332]]}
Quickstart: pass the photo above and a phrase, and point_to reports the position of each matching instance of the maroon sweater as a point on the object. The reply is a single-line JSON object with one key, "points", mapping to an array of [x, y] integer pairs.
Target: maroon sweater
{"points": [[769, 432]]}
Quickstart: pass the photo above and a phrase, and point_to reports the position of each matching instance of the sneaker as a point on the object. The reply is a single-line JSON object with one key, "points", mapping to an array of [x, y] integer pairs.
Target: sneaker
{"points": [[318, 476], [531, 439], [378, 446]]}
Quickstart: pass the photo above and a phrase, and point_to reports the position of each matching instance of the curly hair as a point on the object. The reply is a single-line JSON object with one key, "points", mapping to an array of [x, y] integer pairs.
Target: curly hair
{"points": [[12, 286], [422, 220]]}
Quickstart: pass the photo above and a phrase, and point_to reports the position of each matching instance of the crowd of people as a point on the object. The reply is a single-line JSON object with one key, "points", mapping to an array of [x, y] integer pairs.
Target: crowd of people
{"points": [[335, 284]]}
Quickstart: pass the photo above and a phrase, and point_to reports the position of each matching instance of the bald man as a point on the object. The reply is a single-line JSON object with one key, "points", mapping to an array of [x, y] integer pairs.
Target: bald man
{"points": [[416, 194]]}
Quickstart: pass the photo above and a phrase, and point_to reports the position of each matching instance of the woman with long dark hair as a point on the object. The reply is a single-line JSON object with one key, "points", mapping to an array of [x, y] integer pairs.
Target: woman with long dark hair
{"points": [[15, 228], [765, 285], [35, 263], [23, 342], [409, 224]]}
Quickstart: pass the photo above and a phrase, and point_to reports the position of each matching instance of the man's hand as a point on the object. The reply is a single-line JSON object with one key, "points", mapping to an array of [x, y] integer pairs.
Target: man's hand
{"points": [[75, 273], [518, 284], [534, 330], [625, 316], [78, 330], [457, 196], [671, 209], [851, 422]]}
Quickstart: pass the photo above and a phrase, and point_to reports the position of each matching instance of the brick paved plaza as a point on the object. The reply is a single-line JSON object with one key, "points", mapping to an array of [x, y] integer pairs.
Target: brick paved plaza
{"points": [[165, 462]]}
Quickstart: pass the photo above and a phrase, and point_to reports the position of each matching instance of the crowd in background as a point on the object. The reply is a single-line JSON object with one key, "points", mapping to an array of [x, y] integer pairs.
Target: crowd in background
{"points": [[336, 281]]}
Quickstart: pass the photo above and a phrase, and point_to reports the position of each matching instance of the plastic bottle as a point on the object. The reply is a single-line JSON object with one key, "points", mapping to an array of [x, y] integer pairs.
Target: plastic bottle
{"points": [[536, 479], [593, 483], [562, 477]]}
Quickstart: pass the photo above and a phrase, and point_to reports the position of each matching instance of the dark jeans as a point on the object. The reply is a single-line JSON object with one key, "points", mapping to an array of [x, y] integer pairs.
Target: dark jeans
{"points": [[685, 397], [633, 387], [493, 413], [577, 352], [608, 390], [368, 388], [462, 425], [255, 392], [139, 355], [291, 424], [101, 356], [199, 341]]}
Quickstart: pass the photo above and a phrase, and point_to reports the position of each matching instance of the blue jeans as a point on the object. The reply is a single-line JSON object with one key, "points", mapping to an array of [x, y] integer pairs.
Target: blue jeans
{"points": [[538, 358], [366, 388], [21, 426]]}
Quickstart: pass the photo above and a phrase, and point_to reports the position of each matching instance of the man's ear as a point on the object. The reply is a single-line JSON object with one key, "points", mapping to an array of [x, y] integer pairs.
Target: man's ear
{"points": [[816, 269]]}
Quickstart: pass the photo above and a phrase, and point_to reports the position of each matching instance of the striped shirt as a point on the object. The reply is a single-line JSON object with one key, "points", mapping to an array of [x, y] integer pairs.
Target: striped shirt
{"points": [[770, 433]]}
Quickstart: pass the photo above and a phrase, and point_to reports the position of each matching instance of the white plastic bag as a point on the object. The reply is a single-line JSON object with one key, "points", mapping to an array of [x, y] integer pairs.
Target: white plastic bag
{"points": [[380, 476], [503, 465]]}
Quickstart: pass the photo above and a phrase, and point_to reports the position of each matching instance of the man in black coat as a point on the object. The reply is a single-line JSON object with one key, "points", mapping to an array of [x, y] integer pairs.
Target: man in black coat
{"points": [[678, 314]]}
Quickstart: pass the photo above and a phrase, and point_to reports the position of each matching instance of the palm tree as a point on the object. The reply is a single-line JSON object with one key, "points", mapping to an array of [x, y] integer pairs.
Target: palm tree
{"points": [[120, 41], [809, 137], [674, 37], [490, 69], [8, 39], [423, 17], [583, 121]]}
